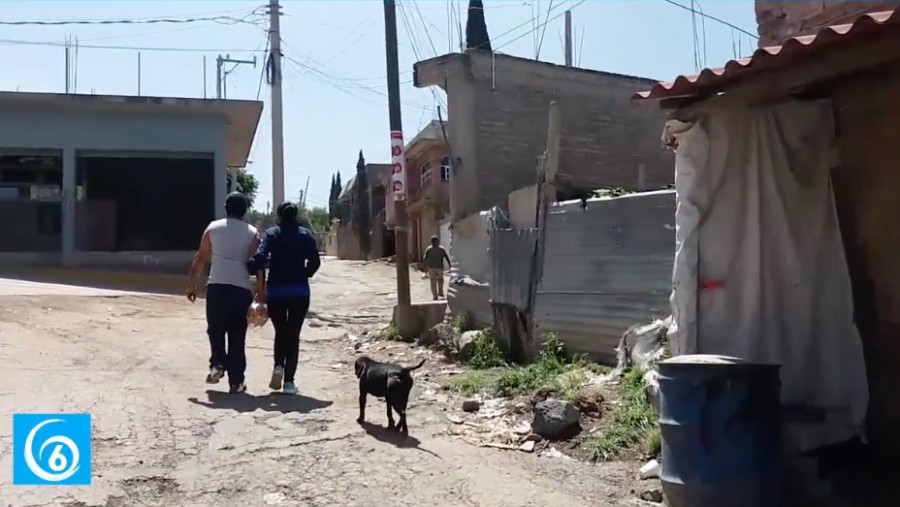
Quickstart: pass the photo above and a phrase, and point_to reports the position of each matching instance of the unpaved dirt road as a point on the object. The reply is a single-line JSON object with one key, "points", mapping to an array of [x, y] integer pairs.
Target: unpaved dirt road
{"points": [[161, 437]]}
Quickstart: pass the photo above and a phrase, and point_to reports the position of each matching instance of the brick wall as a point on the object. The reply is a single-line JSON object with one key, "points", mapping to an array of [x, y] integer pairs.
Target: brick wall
{"points": [[780, 20], [498, 107]]}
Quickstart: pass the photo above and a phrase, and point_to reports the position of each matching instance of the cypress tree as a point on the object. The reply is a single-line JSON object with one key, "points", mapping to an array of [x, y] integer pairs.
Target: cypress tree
{"points": [[476, 28], [361, 218]]}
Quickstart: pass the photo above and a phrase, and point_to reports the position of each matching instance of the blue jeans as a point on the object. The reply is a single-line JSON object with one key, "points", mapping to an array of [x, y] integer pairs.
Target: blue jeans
{"points": [[226, 321]]}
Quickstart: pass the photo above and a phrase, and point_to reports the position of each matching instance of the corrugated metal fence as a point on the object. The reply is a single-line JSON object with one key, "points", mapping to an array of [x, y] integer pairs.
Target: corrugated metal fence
{"points": [[606, 268], [512, 251]]}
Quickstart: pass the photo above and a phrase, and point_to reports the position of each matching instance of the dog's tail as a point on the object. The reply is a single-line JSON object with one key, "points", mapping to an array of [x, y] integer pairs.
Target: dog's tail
{"points": [[416, 367]]}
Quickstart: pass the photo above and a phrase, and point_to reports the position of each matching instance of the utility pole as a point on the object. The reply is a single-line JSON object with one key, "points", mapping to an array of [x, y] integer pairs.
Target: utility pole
{"points": [[277, 118], [568, 38], [222, 75], [403, 314], [204, 76], [139, 73], [305, 193]]}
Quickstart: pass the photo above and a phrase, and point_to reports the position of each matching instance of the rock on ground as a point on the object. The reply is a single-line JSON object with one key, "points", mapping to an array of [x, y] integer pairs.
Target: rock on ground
{"points": [[442, 336], [589, 400], [554, 418], [467, 344]]}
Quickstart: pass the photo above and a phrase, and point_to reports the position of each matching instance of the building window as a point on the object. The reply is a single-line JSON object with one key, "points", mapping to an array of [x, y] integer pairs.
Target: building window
{"points": [[445, 169], [426, 176]]}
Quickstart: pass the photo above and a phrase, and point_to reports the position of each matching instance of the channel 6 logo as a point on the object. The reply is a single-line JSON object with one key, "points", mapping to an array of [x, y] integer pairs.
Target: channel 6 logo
{"points": [[51, 449]]}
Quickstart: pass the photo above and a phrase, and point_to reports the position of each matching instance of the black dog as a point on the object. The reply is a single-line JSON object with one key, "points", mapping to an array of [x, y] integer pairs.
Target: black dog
{"points": [[385, 380]]}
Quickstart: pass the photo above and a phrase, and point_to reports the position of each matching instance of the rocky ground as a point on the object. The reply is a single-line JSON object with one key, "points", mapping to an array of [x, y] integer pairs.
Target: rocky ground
{"points": [[161, 437]]}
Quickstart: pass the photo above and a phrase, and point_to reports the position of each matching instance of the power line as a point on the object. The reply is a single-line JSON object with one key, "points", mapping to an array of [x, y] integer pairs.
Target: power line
{"points": [[554, 18], [130, 48], [712, 18], [410, 30], [336, 82], [225, 20], [531, 21]]}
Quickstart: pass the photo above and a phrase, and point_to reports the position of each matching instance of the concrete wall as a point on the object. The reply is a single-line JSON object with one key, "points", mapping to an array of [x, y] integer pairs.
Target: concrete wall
{"points": [[19, 226], [865, 188], [523, 207], [780, 20], [469, 291], [74, 131], [498, 109]]}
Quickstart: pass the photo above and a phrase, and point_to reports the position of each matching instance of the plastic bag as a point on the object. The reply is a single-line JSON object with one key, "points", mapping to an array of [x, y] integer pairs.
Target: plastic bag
{"points": [[257, 315]]}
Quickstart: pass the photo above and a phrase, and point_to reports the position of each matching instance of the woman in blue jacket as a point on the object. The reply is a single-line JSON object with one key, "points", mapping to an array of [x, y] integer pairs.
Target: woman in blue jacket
{"points": [[290, 252]]}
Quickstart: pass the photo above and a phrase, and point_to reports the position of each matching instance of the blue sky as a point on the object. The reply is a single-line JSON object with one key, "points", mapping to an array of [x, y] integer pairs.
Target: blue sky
{"points": [[334, 76]]}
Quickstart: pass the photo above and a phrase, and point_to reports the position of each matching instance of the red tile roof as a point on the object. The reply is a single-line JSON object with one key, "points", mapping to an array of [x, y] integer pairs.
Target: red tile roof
{"points": [[773, 57]]}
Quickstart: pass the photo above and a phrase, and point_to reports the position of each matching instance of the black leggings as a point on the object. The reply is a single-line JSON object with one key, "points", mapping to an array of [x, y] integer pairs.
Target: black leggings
{"points": [[287, 317]]}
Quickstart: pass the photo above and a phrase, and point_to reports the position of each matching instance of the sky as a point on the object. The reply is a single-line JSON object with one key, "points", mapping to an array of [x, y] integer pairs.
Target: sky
{"points": [[334, 85]]}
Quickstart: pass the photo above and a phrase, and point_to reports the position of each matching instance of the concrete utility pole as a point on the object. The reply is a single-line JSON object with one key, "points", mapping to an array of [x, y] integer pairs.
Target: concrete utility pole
{"points": [[568, 38], [277, 119], [222, 76], [403, 314]]}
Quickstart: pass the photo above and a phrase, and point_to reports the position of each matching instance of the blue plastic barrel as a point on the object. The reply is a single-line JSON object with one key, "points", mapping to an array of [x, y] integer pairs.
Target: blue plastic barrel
{"points": [[720, 420]]}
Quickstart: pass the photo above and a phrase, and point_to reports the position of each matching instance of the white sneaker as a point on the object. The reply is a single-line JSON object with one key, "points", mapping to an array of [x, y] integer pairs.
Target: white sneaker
{"points": [[289, 388], [215, 375], [277, 376]]}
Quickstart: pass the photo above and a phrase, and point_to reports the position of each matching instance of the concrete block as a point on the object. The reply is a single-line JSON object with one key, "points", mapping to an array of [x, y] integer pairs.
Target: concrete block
{"points": [[423, 316]]}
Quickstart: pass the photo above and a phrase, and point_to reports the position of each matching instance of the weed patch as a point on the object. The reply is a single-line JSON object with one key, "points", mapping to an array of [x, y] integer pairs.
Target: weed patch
{"points": [[552, 370], [391, 332], [630, 425], [486, 352]]}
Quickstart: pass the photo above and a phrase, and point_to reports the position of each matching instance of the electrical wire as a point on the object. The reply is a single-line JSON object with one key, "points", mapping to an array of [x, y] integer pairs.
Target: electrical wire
{"points": [[410, 29], [554, 18], [130, 48], [424, 26], [225, 20], [711, 18], [264, 72], [543, 31], [336, 82], [531, 21]]}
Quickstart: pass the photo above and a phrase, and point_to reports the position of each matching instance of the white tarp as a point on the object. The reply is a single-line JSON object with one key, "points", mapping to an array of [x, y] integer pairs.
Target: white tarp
{"points": [[760, 272]]}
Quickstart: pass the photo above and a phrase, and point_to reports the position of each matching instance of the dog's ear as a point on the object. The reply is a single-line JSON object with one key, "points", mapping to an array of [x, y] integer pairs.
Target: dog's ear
{"points": [[359, 367]]}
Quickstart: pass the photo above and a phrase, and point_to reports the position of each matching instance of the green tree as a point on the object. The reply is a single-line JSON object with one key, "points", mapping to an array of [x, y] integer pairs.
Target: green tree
{"points": [[332, 197], [247, 185], [317, 219], [476, 28], [360, 213]]}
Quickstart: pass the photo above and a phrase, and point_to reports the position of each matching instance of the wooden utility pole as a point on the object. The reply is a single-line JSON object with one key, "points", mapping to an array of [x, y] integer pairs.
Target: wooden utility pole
{"points": [[277, 118], [568, 38], [404, 317]]}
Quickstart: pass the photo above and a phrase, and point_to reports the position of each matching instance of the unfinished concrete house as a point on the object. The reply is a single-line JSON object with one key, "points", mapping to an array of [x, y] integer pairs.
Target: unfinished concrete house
{"points": [[498, 107]]}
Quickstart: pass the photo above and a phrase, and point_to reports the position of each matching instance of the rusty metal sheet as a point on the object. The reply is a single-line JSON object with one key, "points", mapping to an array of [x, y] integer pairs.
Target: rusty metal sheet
{"points": [[606, 268], [512, 253]]}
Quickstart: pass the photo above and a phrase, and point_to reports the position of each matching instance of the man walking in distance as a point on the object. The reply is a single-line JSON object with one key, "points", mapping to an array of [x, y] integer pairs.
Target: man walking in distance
{"points": [[226, 245], [435, 255]]}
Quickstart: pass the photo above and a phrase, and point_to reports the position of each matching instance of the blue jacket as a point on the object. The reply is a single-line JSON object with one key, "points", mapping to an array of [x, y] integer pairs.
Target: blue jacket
{"points": [[292, 257]]}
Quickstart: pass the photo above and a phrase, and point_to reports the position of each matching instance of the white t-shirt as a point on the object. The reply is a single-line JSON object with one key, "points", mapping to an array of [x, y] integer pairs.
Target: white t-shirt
{"points": [[230, 239]]}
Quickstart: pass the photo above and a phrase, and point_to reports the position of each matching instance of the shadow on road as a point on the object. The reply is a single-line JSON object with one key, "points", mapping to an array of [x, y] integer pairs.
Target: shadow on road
{"points": [[394, 438], [275, 402]]}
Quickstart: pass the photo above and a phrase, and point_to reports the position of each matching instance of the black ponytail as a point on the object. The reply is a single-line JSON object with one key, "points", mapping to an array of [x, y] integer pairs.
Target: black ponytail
{"points": [[287, 214]]}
